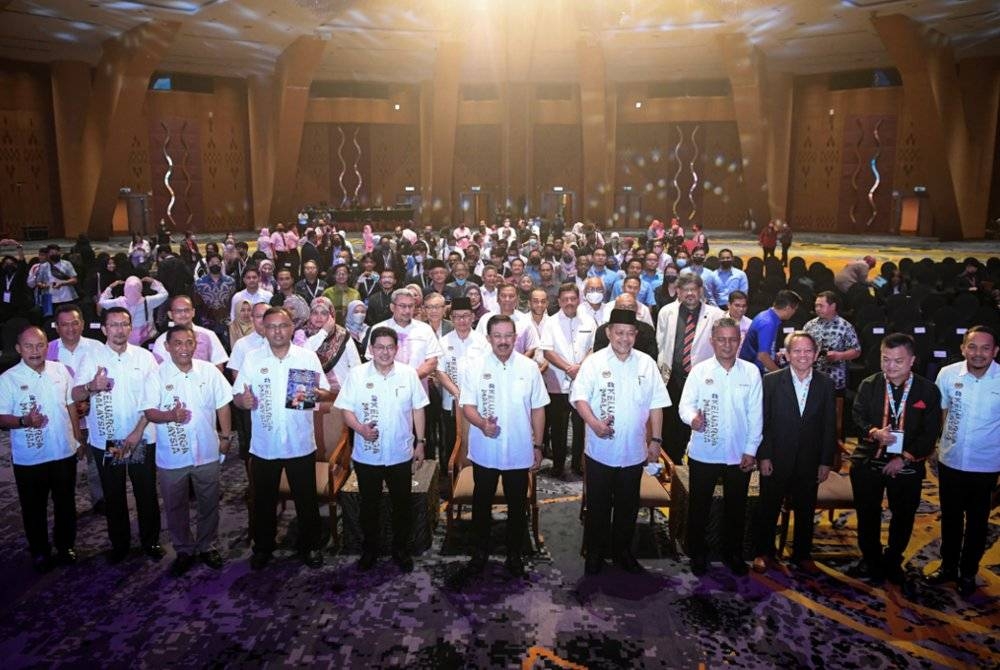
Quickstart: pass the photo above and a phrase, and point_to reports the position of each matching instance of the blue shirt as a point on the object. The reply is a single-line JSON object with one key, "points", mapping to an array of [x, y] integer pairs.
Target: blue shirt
{"points": [[609, 277], [645, 293], [762, 336], [653, 281], [719, 284]]}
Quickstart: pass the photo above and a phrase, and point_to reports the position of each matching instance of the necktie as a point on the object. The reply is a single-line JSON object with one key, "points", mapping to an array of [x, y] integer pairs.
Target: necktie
{"points": [[688, 341]]}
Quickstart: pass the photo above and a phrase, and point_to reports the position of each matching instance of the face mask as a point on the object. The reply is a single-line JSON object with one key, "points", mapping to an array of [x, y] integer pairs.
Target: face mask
{"points": [[354, 320], [215, 269], [460, 282], [726, 264], [681, 262], [594, 297], [671, 279], [418, 258]]}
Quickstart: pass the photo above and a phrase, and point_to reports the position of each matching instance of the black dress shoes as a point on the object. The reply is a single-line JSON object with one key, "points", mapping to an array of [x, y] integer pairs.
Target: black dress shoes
{"points": [[942, 576], [736, 565], [403, 561], [154, 551], [593, 565], [259, 560], [515, 566], [118, 555], [476, 564], [627, 562], [211, 558], [966, 586], [41, 563], [181, 564], [699, 566], [66, 556], [367, 561], [312, 558]]}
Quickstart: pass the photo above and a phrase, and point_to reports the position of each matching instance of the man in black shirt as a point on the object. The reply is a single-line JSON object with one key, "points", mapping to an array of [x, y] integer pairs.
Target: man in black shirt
{"points": [[899, 416], [381, 299]]}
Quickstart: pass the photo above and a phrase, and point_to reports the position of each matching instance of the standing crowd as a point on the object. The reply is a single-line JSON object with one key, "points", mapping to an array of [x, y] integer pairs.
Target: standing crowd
{"points": [[613, 353]]}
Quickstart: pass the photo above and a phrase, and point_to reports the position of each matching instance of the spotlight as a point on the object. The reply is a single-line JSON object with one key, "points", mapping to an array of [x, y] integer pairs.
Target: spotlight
{"points": [[638, 104]]}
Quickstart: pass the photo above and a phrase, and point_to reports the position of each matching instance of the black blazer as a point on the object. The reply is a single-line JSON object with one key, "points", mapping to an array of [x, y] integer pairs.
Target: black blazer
{"points": [[798, 444]]}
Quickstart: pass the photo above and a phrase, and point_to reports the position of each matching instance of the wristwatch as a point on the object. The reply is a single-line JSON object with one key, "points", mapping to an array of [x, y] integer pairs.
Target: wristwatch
{"points": [[656, 439], [421, 439], [539, 447], [20, 422]]}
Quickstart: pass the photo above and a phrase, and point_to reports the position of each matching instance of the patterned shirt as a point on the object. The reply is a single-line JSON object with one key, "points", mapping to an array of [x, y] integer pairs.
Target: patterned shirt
{"points": [[215, 294], [833, 335]]}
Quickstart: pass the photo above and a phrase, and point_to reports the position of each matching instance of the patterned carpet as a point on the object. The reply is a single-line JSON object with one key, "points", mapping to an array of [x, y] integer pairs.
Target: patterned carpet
{"points": [[136, 615]]}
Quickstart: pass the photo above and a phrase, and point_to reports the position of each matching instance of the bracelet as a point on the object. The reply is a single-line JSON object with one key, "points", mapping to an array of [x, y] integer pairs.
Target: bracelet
{"points": [[538, 446], [226, 437], [86, 387], [656, 439], [20, 422], [420, 439]]}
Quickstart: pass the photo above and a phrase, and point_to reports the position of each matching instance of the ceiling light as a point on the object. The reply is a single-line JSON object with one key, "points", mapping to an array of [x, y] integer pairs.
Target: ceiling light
{"points": [[396, 107], [638, 104]]}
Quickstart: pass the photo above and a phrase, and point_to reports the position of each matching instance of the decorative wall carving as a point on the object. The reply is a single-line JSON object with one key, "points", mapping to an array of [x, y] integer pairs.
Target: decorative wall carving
{"points": [[861, 145], [177, 138], [815, 171]]}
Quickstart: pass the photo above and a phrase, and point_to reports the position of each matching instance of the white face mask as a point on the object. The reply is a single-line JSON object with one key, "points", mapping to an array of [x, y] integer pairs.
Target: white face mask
{"points": [[594, 297]]}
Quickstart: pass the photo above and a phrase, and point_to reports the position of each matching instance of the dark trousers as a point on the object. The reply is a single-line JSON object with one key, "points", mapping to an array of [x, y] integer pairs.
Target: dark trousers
{"points": [[784, 253], [965, 514], [801, 488], [34, 484], [611, 488], [562, 413], [433, 419], [515, 489], [266, 476], [243, 425], [768, 251], [448, 432], [703, 478], [143, 477], [676, 433], [398, 480], [903, 492]]}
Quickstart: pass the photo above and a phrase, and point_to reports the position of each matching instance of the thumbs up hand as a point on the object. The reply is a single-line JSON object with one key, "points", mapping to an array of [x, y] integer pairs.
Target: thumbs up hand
{"points": [[491, 428], [698, 422], [180, 411], [246, 399], [101, 382], [34, 418]]}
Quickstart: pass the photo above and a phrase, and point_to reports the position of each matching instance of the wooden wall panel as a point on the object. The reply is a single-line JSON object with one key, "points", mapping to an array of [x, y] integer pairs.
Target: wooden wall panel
{"points": [[29, 195], [176, 165], [642, 161], [724, 202], [395, 162], [815, 172], [312, 179], [558, 161], [477, 160]]}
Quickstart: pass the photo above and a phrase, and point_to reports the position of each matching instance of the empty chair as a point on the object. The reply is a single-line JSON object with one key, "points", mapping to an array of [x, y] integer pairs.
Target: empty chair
{"points": [[966, 304], [871, 334], [869, 313], [930, 304]]}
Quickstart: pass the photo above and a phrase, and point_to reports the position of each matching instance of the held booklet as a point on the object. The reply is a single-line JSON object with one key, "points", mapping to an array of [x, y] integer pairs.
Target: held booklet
{"points": [[301, 390]]}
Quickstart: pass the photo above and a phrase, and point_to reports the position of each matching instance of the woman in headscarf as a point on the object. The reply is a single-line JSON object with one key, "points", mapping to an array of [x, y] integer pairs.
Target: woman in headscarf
{"points": [[473, 293], [331, 342], [354, 321], [242, 325], [267, 281], [138, 251], [139, 306], [104, 275], [264, 242]]}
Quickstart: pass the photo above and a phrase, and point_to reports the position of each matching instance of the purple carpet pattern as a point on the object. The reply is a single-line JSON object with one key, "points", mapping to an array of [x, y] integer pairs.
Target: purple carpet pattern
{"points": [[136, 615]]}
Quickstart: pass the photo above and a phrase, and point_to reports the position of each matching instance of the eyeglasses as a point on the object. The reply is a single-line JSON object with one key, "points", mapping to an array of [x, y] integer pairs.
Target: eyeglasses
{"points": [[383, 348]]}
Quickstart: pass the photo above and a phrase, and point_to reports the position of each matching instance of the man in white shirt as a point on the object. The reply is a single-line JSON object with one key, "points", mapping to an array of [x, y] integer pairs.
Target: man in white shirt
{"points": [[37, 407], [592, 303], [57, 276], [491, 280], [193, 394], [251, 292], [116, 379], [684, 339], [455, 346], [71, 349], [737, 311], [617, 390], [567, 339], [505, 437], [243, 347], [969, 457], [527, 341], [418, 346], [280, 385], [722, 402], [383, 403], [209, 348]]}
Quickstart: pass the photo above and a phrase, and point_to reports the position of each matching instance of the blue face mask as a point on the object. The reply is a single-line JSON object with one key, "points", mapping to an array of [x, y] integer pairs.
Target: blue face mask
{"points": [[460, 282], [682, 262]]}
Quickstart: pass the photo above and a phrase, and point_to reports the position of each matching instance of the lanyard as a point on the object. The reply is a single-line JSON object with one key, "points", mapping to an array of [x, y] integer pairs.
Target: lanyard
{"points": [[891, 410], [313, 291]]}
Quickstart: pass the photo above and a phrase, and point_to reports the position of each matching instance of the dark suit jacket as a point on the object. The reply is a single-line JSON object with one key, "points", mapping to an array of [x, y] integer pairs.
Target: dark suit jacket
{"points": [[922, 423], [645, 339], [798, 444]]}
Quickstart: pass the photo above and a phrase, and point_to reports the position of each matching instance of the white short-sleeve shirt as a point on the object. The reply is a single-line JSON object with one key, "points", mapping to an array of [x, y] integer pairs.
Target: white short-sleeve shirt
{"points": [[207, 347], [389, 401], [571, 338], [732, 402], [74, 359], [202, 390], [455, 350], [51, 390], [243, 346], [970, 440], [280, 430], [417, 342], [508, 391], [115, 413], [625, 390], [527, 339]]}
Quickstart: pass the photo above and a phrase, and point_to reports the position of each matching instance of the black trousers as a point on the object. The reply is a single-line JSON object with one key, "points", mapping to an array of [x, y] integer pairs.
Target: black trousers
{"points": [[243, 425], [143, 477], [433, 419], [784, 254], [559, 415], [399, 481], [34, 484], [612, 507], [266, 476], [965, 514], [515, 489], [903, 492], [703, 478], [801, 488], [449, 433], [676, 433]]}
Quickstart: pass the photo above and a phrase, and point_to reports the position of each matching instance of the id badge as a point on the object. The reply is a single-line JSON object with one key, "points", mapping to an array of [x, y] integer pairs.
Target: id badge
{"points": [[896, 447], [6, 297]]}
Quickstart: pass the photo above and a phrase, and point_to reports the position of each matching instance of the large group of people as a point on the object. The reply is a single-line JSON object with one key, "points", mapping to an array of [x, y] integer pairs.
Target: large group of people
{"points": [[613, 353]]}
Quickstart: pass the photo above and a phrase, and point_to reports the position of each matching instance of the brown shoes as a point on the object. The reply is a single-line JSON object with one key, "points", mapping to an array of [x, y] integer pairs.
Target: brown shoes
{"points": [[808, 566], [762, 564]]}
